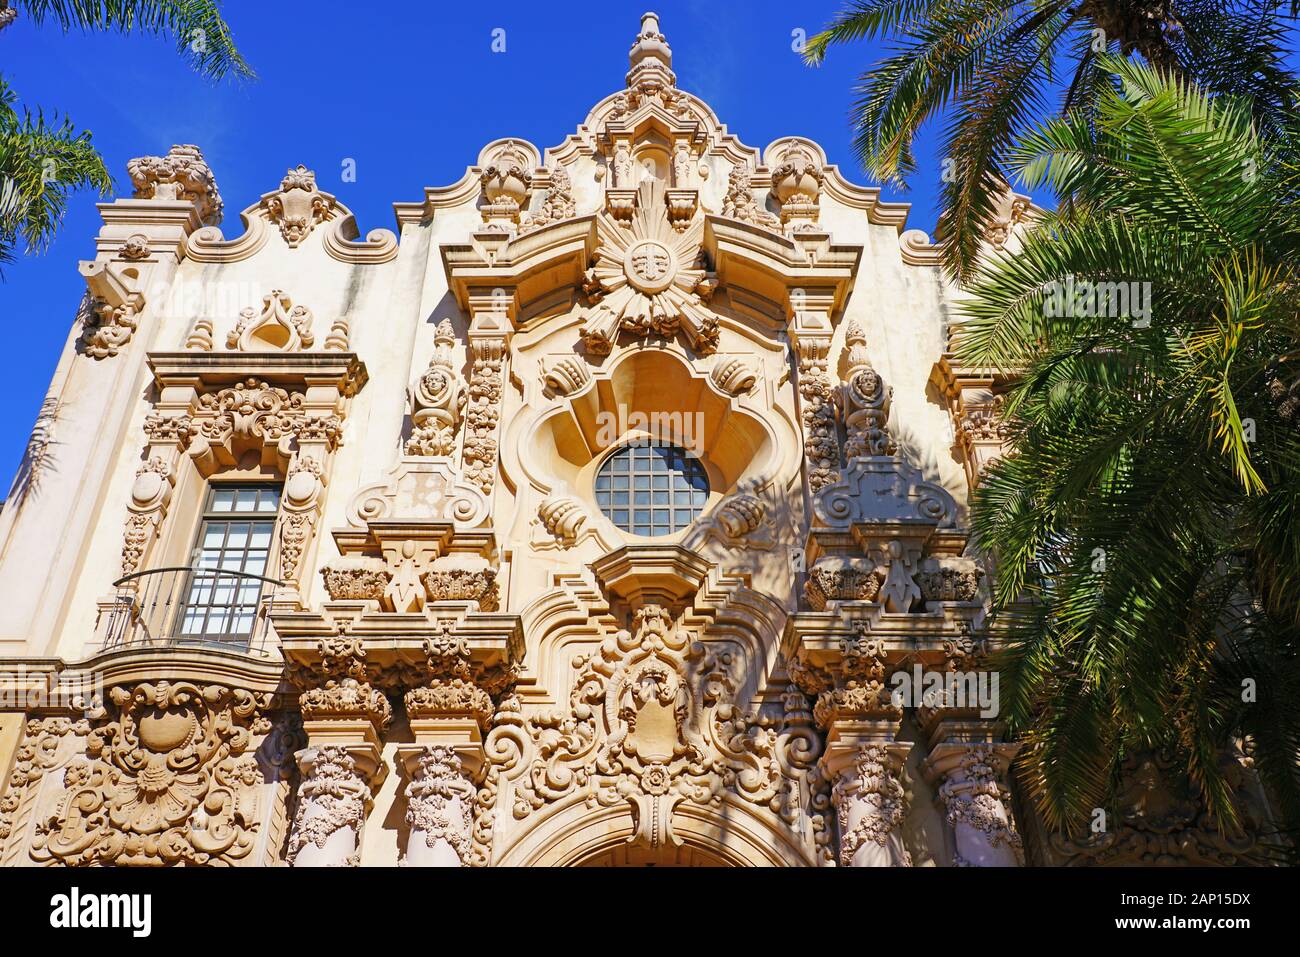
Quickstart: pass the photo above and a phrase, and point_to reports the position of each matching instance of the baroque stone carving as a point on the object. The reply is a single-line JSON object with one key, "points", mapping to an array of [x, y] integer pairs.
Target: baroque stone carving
{"points": [[558, 205], [507, 182], [977, 804], [882, 489], [356, 579], [331, 799], [484, 411], [949, 579], [740, 202], [817, 410], [869, 804], [439, 805], [37, 755], [797, 179], [648, 279], [734, 375], [298, 207], [842, 579], [279, 327], [112, 310], [652, 723], [1158, 819], [171, 779], [566, 375], [864, 399], [180, 175], [461, 584], [436, 400], [563, 517]]}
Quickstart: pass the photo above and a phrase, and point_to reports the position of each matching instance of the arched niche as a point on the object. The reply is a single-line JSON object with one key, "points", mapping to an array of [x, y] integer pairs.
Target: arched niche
{"points": [[651, 392]]}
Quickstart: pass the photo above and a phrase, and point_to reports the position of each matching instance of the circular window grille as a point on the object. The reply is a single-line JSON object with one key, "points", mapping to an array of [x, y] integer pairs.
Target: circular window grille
{"points": [[652, 489]]}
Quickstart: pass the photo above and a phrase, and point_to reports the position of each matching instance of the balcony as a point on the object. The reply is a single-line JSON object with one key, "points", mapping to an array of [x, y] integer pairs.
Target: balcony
{"points": [[189, 605]]}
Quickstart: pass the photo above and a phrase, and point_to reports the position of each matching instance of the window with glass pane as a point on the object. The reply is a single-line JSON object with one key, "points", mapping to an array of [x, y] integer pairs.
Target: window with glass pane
{"points": [[234, 543], [652, 489]]}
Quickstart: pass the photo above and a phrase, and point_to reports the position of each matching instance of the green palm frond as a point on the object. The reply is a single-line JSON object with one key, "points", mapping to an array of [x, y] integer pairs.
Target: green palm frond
{"points": [[201, 34]]}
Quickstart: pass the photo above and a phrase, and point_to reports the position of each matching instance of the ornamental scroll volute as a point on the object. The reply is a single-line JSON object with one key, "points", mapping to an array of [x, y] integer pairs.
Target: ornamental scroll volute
{"points": [[653, 721], [171, 777]]}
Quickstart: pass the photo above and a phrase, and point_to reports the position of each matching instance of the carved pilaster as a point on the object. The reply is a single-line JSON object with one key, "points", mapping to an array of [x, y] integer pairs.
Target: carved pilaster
{"points": [[488, 339], [817, 409]]}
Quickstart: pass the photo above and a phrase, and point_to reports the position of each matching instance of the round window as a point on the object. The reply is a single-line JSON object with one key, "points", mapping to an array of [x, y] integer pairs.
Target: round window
{"points": [[652, 489]]}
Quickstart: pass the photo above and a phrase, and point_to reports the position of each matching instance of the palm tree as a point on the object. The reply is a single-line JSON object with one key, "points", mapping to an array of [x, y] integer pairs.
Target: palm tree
{"points": [[996, 68], [1144, 523], [43, 161]]}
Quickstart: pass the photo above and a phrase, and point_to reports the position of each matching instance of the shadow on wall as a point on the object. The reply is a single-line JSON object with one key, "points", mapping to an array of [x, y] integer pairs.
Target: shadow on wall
{"points": [[39, 457]]}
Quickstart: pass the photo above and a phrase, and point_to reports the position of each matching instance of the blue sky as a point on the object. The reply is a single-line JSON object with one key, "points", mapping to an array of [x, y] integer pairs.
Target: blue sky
{"points": [[410, 91]]}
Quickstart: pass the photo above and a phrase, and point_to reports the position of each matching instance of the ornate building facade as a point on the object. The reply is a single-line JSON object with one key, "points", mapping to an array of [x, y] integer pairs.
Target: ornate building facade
{"points": [[590, 518]]}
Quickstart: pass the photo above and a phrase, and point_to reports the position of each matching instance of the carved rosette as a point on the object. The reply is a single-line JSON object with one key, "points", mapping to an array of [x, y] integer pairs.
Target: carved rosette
{"points": [[171, 778], [439, 810], [864, 399], [484, 411], [649, 278], [436, 400], [869, 802]]}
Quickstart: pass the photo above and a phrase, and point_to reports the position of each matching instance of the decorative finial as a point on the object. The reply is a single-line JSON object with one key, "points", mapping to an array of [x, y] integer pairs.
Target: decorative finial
{"points": [[650, 55]]}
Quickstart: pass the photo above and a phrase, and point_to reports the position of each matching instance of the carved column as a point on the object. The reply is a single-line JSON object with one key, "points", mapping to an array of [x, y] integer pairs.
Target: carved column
{"points": [[344, 716], [863, 757], [449, 714], [969, 767], [869, 800], [439, 808]]}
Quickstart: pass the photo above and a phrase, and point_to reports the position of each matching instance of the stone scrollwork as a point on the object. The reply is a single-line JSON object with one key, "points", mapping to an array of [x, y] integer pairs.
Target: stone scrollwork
{"points": [[734, 375], [566, 375], [172, 778], [279, 327], [298, 206], [436, 400], [797, 178], [652, 723]]}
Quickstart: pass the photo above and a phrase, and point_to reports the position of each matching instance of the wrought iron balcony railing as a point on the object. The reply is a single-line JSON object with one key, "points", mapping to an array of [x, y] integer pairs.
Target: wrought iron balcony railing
{"points": [[184, 604]]}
